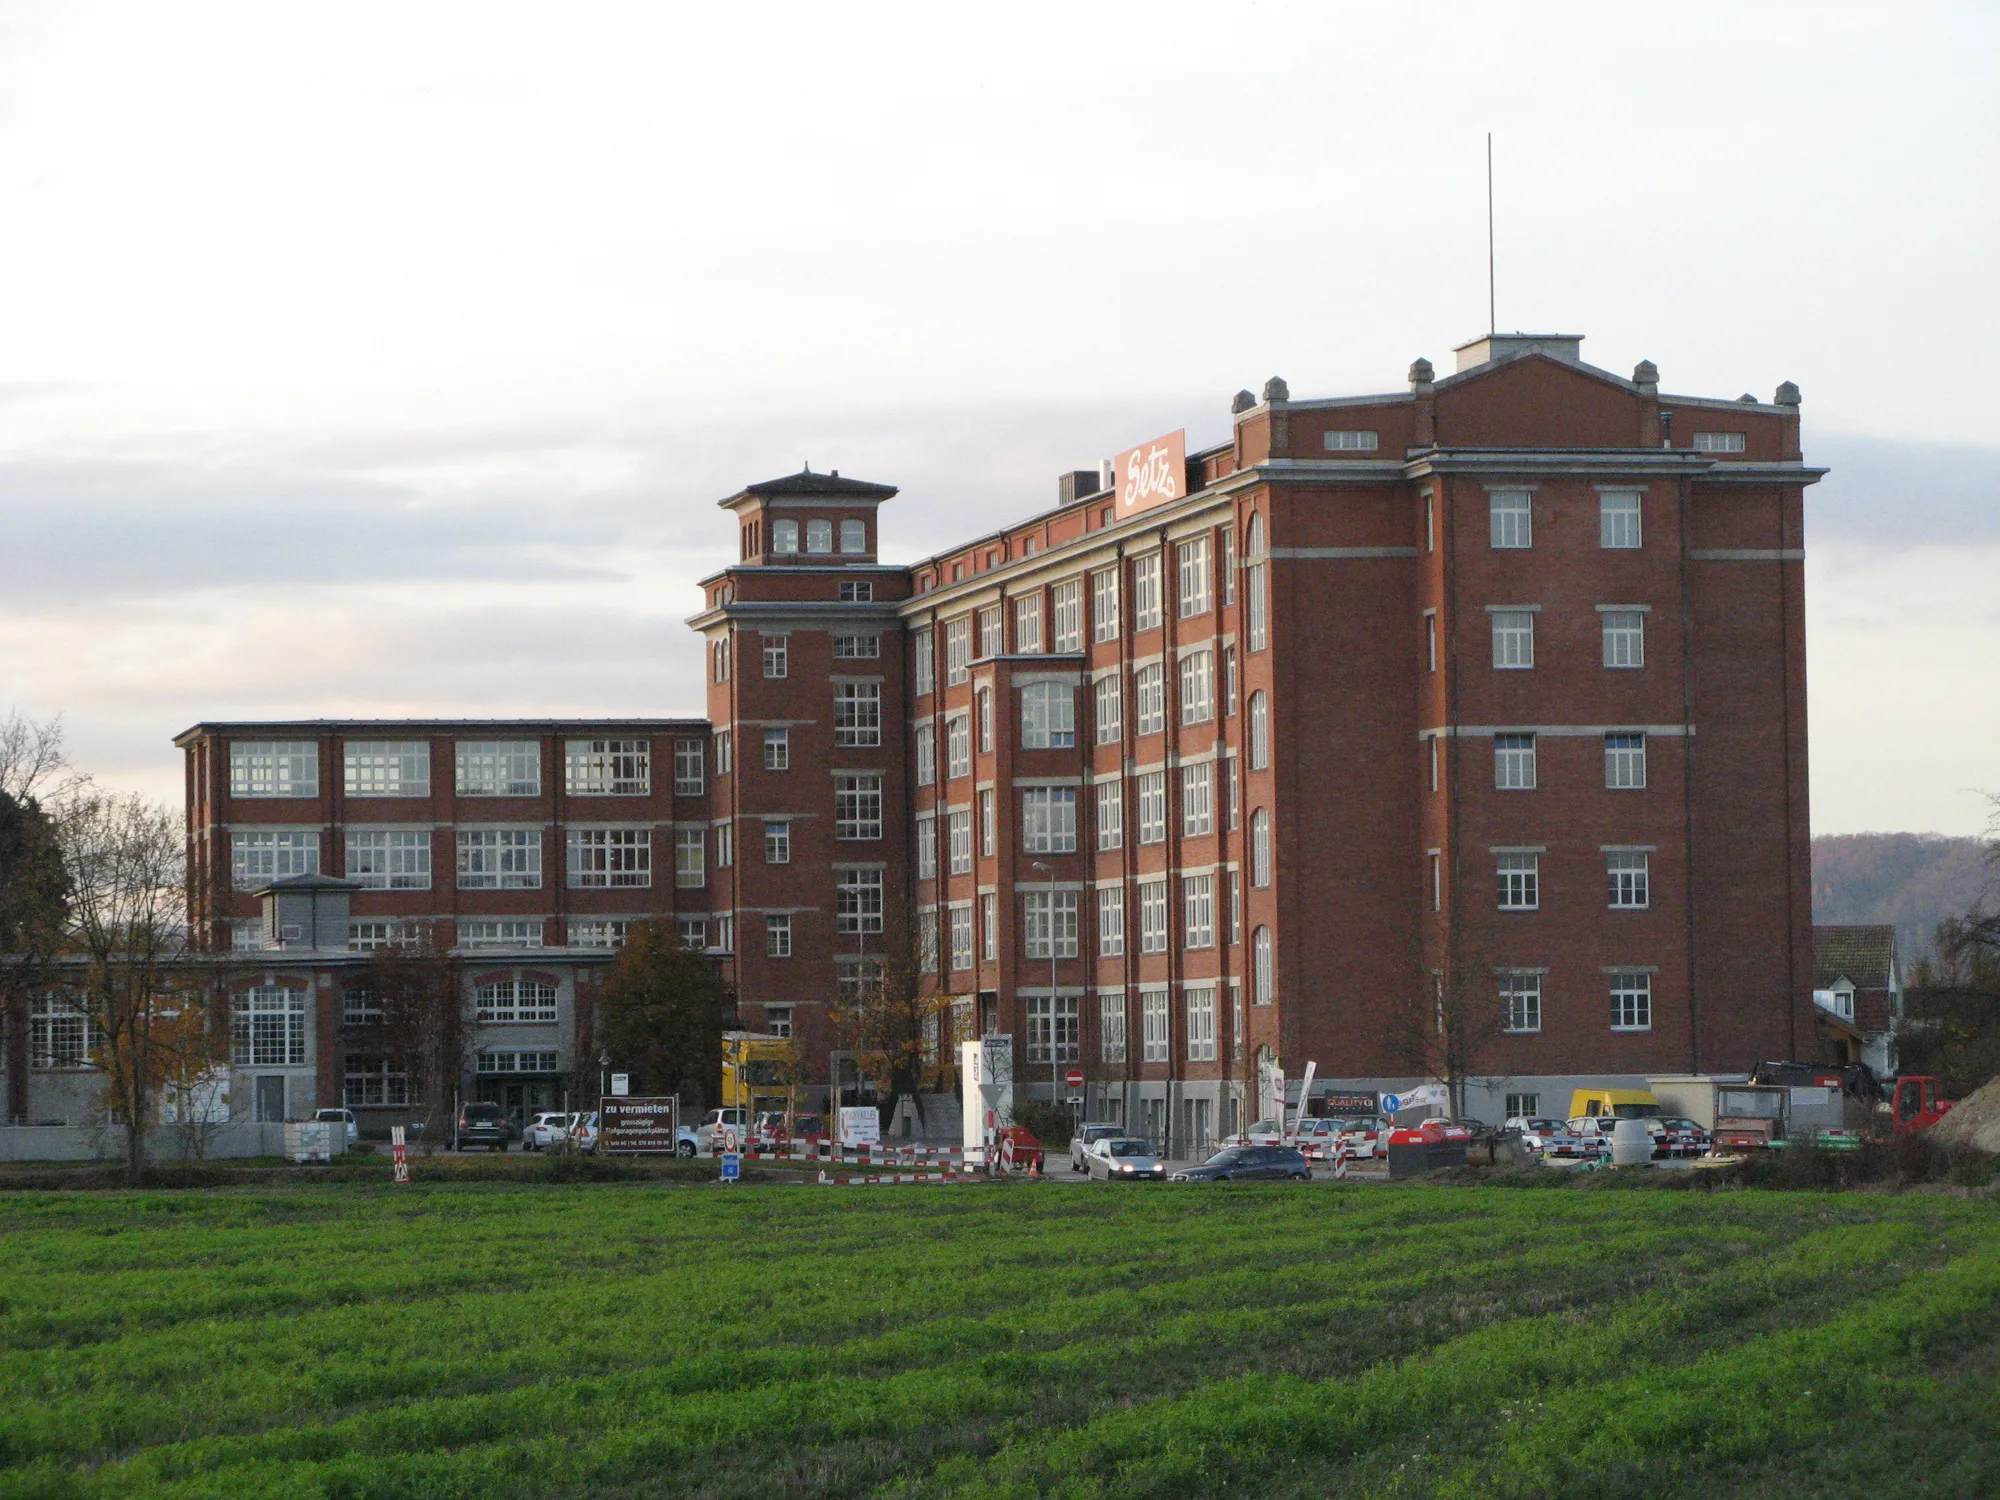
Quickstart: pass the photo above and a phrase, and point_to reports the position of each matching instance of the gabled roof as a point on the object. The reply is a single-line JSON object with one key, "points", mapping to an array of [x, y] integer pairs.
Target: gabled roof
{"points": [[805, 482], [1864, 956]]}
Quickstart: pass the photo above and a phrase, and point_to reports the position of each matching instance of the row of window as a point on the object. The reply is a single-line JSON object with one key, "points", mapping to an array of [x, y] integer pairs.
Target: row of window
{"points": [[777, 652], [1515, 767], [1629, 991], [1054, 1030], [1622, 627], [1518, 879], [508, 859], [1049, 822], [484, 768], [382, 1082], [1511, 519], [818, 537], [1134, 592]]}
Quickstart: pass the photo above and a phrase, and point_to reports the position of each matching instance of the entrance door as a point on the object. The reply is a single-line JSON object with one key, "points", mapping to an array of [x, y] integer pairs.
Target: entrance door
{"points": [[1156, 1123], [271, 1098]]}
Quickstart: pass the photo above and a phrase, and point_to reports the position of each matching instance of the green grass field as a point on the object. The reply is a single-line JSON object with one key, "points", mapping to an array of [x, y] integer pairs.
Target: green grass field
{"points": [[625, 1340]]}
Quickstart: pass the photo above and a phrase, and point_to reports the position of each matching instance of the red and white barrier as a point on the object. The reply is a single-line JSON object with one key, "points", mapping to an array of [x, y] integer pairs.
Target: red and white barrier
{"points": [[896, 1177]]}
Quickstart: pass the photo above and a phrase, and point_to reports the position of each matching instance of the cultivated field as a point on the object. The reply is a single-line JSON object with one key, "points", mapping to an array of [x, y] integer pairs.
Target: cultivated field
{"points": [[615, 1340]]}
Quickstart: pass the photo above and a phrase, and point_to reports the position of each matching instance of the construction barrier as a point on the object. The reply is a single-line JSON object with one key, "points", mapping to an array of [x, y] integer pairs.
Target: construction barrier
{"points": [[828, 1152], [826, 1181]]}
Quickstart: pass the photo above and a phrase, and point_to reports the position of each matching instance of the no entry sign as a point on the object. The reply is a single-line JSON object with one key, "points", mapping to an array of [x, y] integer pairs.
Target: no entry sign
{"points": [[1074, 1078]]}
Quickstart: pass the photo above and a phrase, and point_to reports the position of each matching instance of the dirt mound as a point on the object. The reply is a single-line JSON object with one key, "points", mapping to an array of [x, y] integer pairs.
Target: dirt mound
{"points": [[1974, 1121]]}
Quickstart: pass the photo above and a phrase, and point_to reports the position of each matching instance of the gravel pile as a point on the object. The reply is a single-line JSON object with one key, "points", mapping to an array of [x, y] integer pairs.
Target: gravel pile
{"points": [[1973, 1121]]}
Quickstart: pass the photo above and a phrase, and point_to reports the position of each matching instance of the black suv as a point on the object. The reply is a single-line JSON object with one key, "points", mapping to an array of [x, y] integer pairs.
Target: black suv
{"points": [[483, 1125]]}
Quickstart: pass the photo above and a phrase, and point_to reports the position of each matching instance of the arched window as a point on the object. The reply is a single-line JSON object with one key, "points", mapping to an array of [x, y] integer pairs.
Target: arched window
{"points": [[785, 536], [819, 536], [1260, 966], [1254, 581], [1260, 848], [1260, 732], [853, 536]]}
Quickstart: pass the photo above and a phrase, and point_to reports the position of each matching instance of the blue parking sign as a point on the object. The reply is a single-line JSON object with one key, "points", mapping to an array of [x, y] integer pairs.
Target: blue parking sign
{"points": [[732, 1166]]}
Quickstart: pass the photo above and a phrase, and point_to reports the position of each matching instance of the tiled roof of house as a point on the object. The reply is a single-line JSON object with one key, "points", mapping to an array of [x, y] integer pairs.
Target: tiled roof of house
{"points": [[1864, 956]]}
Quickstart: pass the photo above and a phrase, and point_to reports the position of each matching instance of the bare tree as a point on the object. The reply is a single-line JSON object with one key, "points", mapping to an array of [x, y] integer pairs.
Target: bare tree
{"points": [[123, 861], [419, 996], [32, 762], [1448, 1014], [889, 1022]]}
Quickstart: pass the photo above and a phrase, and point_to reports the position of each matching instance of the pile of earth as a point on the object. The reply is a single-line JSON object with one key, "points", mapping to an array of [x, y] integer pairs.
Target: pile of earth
{"points": [[1974, 1121]]}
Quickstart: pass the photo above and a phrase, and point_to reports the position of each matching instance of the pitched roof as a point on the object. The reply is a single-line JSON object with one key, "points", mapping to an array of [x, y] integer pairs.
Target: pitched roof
{"points": [[1864, 956], [805, 482]]}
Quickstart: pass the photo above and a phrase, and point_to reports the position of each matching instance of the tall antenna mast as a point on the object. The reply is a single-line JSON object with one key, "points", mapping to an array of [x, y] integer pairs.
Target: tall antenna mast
{"points": [[1492, 322]]}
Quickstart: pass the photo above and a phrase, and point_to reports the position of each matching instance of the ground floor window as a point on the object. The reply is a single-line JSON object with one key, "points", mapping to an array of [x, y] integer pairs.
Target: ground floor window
{"points": [[517, 1062], [1523, 1104], [60, 1036], [375, 1081]]}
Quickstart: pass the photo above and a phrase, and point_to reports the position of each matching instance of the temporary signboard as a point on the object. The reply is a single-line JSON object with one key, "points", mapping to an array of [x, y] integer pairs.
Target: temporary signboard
{"points": [[402, 1150], [1151, 474], [861, 1127], [621, 1084], [638, 1124]]}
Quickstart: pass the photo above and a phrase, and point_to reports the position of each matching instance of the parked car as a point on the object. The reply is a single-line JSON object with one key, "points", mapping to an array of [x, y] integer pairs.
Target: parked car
{"points": [[482, 1124], [1547, 1138], [583, 1131], [342, 1115], [1117, 1158], [1028, 1154], [1367, 1136], [1086, 1136], [1595, 1132], [1263, 1133], [548, 1128], [1250, 1164], [716, 1121]]}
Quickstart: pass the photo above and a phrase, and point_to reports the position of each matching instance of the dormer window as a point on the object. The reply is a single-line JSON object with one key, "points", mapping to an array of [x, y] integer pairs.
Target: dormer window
{"points": [[819, 536], [854, 536], [785, 537]]}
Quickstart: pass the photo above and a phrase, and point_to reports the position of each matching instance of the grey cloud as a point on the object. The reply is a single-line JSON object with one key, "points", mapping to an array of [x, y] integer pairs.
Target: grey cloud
{"points": [[1900, 494]]}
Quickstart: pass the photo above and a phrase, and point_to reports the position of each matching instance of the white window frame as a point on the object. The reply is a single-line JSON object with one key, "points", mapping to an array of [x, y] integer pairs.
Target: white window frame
{"points": [[1149, 697], [958, 841], [854, 537], [386, 768], [1198, 687], [857, 807], [1198, 910], [1518, 880], [260, 856], [1625, 762], [1104, 605], [778, 749], [958, 745], [1155, 923], [777, 934], [1197, 799], [1152, 800], [1200, 1006], [1620, 525], [1514, 762], [961, 938], [1111, 1027], [1196, 595], [1028, 623], [690, 858], [608, 768], [1628, 879], [992, 632], [1048, 820], [260, 769], [1110, 816], [1110, 921], [1049, 917], [777, 657], [1147, 613], [1108, 708], [1048, 716], [1260, 731], [1156, 1024], [777, 841], [1521, 1002], [1511, 518], [499, 859], [1513, 639], [857, 715], [1350, 441], [957, 650], [857, 898], [498, 768], [389, 859], [690, 768], [1624, 637], [1631, 993], [1720, 442], [1066, 616], [924, 746], [923, 663], [1260, 848]]}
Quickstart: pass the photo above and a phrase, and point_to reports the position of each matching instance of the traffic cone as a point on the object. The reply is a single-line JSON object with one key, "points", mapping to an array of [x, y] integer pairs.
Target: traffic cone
{"points": [[1035, 1167]]}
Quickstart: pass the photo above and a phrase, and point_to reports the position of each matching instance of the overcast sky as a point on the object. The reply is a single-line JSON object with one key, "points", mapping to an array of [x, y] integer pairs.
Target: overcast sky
{"points": [[389, 359]]}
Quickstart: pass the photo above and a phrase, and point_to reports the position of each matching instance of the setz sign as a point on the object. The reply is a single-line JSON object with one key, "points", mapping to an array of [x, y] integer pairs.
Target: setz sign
{"points": [[1150, 474]]}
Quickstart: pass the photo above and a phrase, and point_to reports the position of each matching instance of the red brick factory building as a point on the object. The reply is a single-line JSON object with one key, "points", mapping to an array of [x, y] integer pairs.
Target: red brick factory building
{"points": [[1485, 695]]}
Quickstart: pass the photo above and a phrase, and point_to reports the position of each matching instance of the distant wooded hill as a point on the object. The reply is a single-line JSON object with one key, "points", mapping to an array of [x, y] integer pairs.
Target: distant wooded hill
{"points": [[1914, 880]]}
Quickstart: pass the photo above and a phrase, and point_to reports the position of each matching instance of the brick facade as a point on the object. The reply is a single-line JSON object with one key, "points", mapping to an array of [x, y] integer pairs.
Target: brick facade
{"points": [[1330, 572]]}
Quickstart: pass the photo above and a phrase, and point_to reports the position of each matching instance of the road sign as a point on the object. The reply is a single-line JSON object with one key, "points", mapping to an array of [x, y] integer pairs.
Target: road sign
{"points": [[732, 1166], [621, 1084], [1390, 1104], [1074, 1078]]}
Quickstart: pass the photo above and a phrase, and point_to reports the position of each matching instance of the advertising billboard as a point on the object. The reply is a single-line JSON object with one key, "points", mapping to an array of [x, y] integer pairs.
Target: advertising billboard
{"points": [[1151, 474], [638, 1124]]}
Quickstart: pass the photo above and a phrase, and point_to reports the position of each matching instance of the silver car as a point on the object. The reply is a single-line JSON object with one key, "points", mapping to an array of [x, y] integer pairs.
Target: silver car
{"points": [[1119, 1159], [1086, 1136]]}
